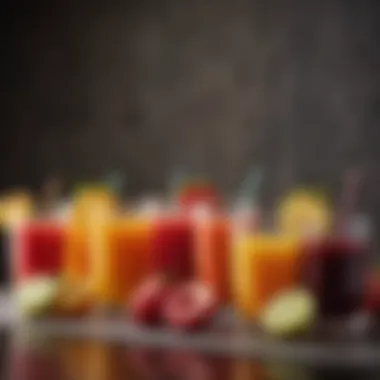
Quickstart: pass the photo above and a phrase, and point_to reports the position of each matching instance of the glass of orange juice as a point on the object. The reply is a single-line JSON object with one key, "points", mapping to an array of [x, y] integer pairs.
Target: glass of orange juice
{"points": [[87, 251], [127, 263], [262, 265], [76, 257]]}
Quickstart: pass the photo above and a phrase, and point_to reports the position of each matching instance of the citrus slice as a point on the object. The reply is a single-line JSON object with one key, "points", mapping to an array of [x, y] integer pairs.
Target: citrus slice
{"points": [[36, 297], [16, 207], [304, 212], [93, 202], [288, 314]]}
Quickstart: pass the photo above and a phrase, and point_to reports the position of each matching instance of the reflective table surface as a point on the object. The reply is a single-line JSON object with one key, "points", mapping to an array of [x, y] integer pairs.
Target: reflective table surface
{"points": [[37, 358]]}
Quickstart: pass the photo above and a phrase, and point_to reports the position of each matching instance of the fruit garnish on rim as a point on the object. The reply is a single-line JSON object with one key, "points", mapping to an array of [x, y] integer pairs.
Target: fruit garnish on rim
{"points": [[16, 208], [290, 313], [148, 299], [195, 191], [191, 305], [304, 212]]}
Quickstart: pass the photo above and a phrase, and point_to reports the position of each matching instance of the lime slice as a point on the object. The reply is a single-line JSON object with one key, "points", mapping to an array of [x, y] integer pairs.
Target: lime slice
{"points": [[36, 297], [289, 314]]}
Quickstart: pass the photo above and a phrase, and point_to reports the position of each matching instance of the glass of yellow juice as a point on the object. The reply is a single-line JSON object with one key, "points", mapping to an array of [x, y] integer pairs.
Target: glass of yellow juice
{"points": [[262, 265]]}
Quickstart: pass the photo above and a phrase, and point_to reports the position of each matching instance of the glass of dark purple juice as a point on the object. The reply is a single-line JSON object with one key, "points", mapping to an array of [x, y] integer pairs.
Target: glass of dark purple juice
{"points": [[334, 269]]}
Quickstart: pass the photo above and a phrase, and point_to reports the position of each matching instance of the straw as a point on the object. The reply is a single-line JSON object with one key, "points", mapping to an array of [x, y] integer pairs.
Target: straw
{"points": [[352, 180], [116, 181], [250, 186], [177, 177]]}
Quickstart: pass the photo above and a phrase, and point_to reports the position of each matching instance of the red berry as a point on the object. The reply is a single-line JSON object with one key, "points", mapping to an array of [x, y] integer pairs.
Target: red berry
{"points": [[147, 300], [191, 305]]}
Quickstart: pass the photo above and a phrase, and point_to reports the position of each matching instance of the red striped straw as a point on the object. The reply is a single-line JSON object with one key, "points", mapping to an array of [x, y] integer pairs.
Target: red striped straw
{"points": [[352, 181]]}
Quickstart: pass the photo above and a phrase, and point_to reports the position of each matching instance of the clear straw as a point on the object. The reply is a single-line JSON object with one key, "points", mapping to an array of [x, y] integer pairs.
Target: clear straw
{"points": [[177, 177], [117, 181], [250, 186]]}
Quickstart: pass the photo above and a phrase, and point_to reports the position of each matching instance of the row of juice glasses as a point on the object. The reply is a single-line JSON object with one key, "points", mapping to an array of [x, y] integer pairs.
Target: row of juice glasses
{"points": [[111, 254], [106, 252]]}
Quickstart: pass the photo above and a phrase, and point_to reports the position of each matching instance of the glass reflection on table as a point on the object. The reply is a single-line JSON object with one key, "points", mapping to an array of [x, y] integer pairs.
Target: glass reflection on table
{"points": [[64, 359]]}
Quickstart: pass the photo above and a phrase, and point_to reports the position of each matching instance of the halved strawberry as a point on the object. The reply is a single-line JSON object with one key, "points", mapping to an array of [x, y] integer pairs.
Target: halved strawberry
{"points": [[190, 306], [148, 299]]}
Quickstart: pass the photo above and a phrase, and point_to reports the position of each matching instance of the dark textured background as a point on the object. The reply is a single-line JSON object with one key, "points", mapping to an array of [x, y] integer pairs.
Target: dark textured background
{"points": [[214, 85]]}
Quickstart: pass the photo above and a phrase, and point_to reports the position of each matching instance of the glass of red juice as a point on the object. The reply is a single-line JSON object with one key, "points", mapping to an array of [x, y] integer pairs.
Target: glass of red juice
{"points": [[334, 269], [37, 249], [171, 246]]}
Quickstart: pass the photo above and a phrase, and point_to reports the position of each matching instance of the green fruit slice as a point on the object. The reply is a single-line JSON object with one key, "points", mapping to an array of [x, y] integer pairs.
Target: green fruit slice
{"points": [[289, 314], [36, 297]]}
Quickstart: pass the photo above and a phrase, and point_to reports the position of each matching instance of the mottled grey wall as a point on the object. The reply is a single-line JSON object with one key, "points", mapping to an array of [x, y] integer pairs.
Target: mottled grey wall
{"points": [[215, 85]]}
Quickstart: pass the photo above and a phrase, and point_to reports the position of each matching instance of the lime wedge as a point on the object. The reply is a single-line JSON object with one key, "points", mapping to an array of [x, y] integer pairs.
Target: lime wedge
{"points": [[36, 297], [289, 314]]}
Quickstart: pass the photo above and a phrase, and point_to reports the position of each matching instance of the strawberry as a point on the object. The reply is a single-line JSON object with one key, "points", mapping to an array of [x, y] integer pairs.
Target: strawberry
{"points": [[190, 306], [147, 300], [193, 193]]}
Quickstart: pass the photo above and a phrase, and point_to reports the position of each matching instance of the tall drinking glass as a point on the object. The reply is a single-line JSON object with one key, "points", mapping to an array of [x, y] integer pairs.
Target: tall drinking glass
{"points": [[334, 269], [171, 246], [212, 235], [127, 264], [263, 264]]}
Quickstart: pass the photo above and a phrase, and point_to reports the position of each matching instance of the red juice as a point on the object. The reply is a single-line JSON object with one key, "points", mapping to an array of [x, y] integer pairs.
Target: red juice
{"points": [[334, 269], [171, 246], [38, 250]]}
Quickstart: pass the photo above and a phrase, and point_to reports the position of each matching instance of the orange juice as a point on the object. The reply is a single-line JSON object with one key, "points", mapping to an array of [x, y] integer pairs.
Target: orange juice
{"points": [[262, 265], [212, 246], [76, 260], [87, 252], [127, 263]]}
